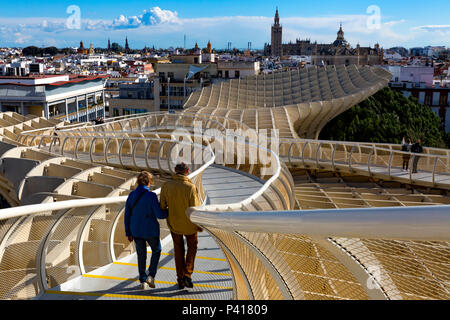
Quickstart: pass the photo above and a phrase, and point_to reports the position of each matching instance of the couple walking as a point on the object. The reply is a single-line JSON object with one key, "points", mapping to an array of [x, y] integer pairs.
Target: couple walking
{"points": [[141, 225], [408, 146]]}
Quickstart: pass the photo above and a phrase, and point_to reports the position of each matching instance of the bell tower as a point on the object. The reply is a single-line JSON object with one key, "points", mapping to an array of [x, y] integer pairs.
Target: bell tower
{"points": [[277, 36]]}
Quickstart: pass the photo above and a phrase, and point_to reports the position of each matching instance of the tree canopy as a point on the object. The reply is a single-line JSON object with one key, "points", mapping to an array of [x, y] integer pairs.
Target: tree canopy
{"points": [[115, 47], [39, 52], [387, 117]]}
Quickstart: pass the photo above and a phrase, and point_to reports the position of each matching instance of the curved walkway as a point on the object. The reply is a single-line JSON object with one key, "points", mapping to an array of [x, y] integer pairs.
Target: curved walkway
{"points": [[119, 280], [212, 276]]}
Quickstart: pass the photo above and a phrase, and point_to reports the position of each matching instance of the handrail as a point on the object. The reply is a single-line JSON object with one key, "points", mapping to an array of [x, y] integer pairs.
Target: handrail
{"points": [[22, 211], [208, 117], [104, 135], [410, 223], [380, 146]]}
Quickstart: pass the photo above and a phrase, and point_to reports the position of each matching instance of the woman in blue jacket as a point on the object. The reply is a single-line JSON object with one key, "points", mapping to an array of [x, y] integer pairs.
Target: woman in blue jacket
{"points": [[142, 211]]}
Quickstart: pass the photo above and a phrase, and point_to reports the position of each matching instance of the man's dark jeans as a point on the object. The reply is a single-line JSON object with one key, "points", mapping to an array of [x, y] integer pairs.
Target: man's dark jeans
{"points": [[141, 251]]}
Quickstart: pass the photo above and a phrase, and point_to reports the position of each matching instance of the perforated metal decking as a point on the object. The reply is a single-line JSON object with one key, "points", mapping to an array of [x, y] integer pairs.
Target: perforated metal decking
{"points": [[119, 280]]}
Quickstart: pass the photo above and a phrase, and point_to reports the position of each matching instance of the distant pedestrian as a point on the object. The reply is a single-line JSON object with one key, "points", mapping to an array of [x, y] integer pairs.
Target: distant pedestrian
{"points": [[406, 147], [417, 149], [56, 138]]}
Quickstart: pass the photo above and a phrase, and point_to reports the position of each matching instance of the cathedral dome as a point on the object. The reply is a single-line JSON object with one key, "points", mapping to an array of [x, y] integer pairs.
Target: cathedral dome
{"points": [[340, 40]]}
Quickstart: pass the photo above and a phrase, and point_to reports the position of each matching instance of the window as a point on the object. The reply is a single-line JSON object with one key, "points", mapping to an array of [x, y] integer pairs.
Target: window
{"points": [[428, 100], [237, 74], [170, 75], [115, 112]]}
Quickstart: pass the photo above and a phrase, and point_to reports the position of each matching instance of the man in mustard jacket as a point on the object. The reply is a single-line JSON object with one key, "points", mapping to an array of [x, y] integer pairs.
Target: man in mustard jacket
{"points": [[178, 195]]}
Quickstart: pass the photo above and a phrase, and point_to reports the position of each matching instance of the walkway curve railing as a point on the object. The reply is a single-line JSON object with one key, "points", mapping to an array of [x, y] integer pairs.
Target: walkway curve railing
{"points": [[426, 169], [45, 245], [346, 251], [396, 223], [276, 192], [365, 158]]}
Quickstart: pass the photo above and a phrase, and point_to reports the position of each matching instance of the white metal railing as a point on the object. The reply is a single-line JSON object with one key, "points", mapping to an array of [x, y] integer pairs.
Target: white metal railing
{"points": [[431, 223], [36, 253], [372, 152], [433, 168], [97, 134]]}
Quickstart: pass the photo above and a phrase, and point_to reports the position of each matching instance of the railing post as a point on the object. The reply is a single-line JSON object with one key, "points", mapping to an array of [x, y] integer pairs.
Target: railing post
{"points": [[159, 155], [90, 150], [149, 143], [303, 153], [133, 152], [289, 153], [350, 159], [391, 156], [434, 170], [41, 271], [106, 150], [333, 164], [370, 161], [63, 145], [75, 151], [317, 156], [175, 145], [120, 151]]}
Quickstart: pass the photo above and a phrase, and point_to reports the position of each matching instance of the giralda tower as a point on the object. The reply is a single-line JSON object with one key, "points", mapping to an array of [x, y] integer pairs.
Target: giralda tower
{"points": [[277, 32]]}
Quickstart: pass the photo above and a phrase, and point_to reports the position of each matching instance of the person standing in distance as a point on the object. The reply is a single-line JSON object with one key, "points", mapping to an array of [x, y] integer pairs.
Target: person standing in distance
{"points": [[178, 195], [417, 149], [142, 211]]}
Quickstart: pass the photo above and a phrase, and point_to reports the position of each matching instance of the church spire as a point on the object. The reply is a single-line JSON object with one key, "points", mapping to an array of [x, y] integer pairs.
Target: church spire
{"points": [[340, 34], [277, 18], [277, 36], [127, 47]]}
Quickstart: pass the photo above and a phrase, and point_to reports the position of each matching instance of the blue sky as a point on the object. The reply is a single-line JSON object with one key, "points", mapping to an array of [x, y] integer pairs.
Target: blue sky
{"points": [[164, 23]]}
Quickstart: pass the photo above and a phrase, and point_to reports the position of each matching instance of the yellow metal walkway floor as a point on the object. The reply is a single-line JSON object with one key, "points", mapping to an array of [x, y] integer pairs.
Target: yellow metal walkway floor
{"points": [[119, 280]]}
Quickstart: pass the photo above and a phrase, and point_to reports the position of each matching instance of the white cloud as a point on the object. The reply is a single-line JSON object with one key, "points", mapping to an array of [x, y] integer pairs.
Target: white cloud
{"points": [[21, 38], [154, 16], [433, 28], [165, 28]]}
